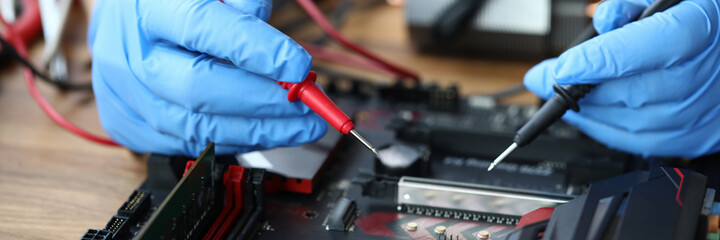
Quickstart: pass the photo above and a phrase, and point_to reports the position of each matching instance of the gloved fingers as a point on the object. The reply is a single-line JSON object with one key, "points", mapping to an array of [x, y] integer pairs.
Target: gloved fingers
{"points": [[130, 130], [209, 26], [612, 14], [660, 41], [657, 100], [672, 84], [540, 79], [259, 8], [173, 120], [687, 114], [139, 137], [662, 94], [204, 84], [665, 143]]}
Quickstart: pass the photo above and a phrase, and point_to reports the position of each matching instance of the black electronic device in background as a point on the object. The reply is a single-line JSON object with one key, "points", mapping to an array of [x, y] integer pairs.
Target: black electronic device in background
{"points": [[526, 29]]}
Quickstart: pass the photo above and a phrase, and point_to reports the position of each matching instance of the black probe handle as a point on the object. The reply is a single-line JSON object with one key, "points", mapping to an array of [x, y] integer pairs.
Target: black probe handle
{"points": [[657, 6], [566, 97]]}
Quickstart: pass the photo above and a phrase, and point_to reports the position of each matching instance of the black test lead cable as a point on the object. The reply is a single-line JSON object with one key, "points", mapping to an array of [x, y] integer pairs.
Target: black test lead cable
{"points": [[565, 97], [62, 85]]}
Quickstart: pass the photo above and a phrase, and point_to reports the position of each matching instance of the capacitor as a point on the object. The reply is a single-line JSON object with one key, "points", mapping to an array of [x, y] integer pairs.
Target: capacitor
{"points": [[401, 159], [440, 229], [713, 223], [411, 226], [483, 235]]}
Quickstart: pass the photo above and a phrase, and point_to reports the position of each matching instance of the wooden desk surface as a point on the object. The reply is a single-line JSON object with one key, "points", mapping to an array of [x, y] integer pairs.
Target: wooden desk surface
{"points": [[54, 185]]}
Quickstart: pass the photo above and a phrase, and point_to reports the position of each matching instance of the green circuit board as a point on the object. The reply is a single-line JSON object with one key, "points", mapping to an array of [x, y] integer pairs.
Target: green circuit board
{"points": [[186, 211]]}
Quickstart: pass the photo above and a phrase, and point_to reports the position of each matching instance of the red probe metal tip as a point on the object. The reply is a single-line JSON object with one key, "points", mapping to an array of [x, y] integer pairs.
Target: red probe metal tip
{"points": [[315, 98]]}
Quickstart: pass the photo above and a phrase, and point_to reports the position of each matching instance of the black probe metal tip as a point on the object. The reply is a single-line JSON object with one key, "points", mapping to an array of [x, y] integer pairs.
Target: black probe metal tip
{"points": [[502, 156], [565, 98]]}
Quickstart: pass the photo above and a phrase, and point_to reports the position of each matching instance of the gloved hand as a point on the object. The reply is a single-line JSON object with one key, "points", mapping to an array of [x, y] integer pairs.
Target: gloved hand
{"points": [[170, 76], [658, 91]]}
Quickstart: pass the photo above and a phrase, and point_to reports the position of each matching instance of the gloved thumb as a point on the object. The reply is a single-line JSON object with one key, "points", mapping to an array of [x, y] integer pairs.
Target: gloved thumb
{"points": [[540, 78], [612, 14], [259, 8]]}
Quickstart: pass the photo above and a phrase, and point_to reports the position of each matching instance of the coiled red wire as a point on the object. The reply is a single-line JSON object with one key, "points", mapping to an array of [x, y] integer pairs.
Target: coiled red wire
{"points": [[13, 37], [317, 16]]}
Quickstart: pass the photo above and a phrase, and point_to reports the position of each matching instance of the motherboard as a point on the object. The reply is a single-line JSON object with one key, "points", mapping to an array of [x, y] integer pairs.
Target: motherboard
{"points": [[429, 181]]}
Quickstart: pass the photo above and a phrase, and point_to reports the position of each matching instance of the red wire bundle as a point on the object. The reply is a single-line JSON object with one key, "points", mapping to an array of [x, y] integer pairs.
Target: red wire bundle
{"points": [[328, 28], [19, 45]]}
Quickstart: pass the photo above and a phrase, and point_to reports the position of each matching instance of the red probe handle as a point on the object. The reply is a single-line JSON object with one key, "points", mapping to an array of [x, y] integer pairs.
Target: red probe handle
{"points": [[313, 97]]}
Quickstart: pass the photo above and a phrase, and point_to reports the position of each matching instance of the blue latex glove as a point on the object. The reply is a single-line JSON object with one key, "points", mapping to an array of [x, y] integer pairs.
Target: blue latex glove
{"points": [[658, 90], [170, 76]]}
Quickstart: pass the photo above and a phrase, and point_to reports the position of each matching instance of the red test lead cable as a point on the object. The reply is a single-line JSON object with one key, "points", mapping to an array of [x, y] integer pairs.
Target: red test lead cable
{"points": [[310, 94], [328, 28], [15, 40]]}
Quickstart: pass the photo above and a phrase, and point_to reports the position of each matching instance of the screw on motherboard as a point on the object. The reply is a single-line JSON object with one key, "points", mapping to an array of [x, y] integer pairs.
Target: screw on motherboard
{"points": [[483, 235], [268, 227]]}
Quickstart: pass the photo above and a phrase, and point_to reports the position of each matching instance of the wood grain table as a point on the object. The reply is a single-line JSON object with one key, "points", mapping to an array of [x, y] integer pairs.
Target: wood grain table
{"points": [[54, 185]]}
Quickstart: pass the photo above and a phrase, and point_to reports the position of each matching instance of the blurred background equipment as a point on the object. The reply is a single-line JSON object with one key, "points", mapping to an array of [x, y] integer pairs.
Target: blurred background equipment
{"points": [[529, 29]]}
